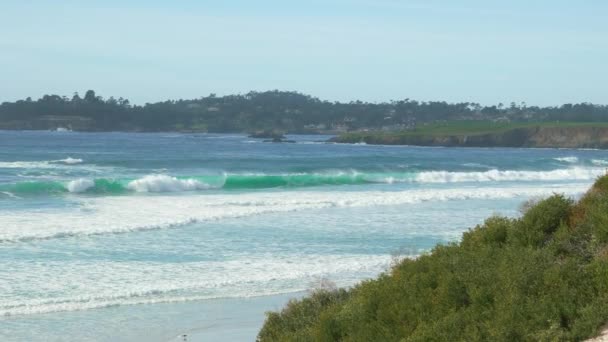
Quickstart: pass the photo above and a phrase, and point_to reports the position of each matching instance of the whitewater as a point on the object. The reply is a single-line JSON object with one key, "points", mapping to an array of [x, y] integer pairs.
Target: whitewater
{"points": [[104, 227]]}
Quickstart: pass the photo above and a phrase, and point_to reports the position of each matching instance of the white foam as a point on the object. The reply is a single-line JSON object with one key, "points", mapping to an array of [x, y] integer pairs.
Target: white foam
{"points": [[70, 160], [600, 162], [10, 194], [570, 159], [575, 173], [85, 284], [80, 185], [103, 215], [26, 165], [42, 164], [164, 183], [313, 142], [476, 165]]}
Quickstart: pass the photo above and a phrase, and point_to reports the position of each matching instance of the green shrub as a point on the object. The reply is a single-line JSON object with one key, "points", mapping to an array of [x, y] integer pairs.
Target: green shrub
{"points": [[543, 277], [542, 219], [296, 320], [493, 232], [598, 220]]}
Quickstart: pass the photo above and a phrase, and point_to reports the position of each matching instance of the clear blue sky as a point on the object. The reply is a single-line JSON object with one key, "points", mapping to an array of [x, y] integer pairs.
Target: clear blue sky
{"points": [[541, 52]]}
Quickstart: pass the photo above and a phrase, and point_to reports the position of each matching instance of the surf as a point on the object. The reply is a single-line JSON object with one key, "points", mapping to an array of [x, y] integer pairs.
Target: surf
{"points": [[128, 214], [149, 282], [161, 183], [42, 164]]}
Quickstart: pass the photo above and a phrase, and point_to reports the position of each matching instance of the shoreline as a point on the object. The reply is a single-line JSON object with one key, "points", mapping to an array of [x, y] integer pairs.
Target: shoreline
{"points": [[233, 319]]}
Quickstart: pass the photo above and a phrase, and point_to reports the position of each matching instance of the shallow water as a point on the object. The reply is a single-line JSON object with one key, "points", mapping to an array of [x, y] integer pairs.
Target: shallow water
{"points": [[107, 226]]}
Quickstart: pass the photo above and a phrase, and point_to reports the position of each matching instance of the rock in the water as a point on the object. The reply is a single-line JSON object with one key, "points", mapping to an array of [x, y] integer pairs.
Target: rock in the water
{"points": [[267, 135]]}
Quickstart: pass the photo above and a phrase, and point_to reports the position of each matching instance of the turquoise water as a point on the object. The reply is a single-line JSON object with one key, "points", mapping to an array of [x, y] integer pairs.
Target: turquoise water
{"points": [[96, 225]]}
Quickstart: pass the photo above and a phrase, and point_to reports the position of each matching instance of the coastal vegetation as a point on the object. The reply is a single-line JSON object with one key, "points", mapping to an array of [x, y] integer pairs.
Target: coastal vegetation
{"points": [[540, 277], [490, 134], [281, 111]]}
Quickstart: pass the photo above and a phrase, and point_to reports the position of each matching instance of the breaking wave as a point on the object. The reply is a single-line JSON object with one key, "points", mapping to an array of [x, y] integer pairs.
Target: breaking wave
{"points": [[163, 183], [80, 185], [166, 183]]}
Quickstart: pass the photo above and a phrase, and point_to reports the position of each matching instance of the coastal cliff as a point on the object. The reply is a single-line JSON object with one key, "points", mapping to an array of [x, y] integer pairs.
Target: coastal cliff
{"points": [[582, 136]]}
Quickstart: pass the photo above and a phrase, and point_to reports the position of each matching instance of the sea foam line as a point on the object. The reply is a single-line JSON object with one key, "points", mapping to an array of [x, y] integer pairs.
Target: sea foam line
{"points": [[43, 164], [104, 215], [576, 173], [81, 285], [569, 159]]}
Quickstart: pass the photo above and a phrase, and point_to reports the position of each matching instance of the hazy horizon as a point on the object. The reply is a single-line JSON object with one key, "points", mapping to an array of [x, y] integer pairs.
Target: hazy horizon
{"points": [[546, 53]]}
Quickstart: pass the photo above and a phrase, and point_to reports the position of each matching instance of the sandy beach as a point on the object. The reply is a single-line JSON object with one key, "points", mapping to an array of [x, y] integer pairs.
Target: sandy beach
{"points": [[231, 319]]}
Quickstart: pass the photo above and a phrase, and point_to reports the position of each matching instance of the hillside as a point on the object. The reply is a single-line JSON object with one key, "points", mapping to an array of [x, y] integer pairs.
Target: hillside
{"points": [[283, 111], [541, 277], [547, 134]]}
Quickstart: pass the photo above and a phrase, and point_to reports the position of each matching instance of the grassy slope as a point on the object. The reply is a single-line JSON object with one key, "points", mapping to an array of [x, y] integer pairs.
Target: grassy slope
{"points": [[543, 277], [467, 128]]}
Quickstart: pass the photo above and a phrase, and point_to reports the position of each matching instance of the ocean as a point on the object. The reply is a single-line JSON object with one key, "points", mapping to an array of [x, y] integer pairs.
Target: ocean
{"points": [[128, 236]]}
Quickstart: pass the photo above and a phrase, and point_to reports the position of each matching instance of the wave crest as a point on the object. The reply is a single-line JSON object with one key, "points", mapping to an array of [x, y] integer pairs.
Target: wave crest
{"points": [[569, 159], [80, 185], [164, 183]]}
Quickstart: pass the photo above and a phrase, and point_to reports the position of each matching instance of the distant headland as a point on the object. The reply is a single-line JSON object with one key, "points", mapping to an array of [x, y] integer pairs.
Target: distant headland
{"points": [[480, 134], [411, 122]]}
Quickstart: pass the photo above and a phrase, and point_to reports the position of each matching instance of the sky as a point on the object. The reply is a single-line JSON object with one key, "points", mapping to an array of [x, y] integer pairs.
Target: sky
{"points": [[539, 52]]}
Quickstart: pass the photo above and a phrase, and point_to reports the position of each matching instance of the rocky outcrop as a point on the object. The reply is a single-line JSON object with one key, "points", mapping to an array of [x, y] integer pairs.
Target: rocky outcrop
{"points": [[271, 136], [267, 134]]}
